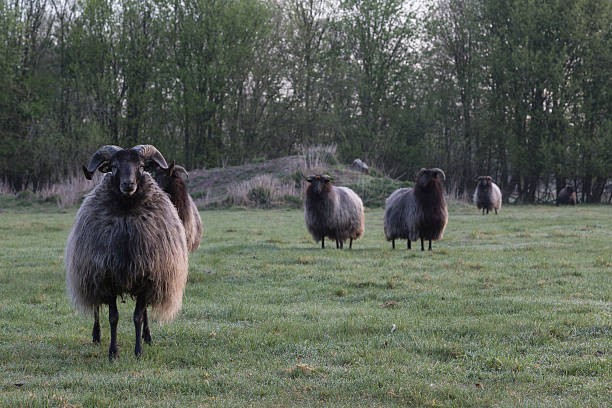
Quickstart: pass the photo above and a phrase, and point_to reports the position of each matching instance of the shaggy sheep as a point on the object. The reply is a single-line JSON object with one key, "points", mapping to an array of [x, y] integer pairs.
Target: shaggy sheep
{"points": [[567, 196], [419, 212], [127, 239], [333, 212], [487, 195], [171, 182]]}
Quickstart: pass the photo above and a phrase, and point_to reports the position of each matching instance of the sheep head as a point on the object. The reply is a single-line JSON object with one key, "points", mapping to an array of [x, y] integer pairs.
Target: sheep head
{"points": [[485, 182], [319, 183], [125, 165], [164, 177], [426, 176]]}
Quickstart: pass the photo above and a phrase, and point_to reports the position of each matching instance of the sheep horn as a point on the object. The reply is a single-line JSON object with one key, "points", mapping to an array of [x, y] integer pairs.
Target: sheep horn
{"points": [[310, 178], [150, 152], [326, 177], [439, 171], [181, 169], [103, 155]]}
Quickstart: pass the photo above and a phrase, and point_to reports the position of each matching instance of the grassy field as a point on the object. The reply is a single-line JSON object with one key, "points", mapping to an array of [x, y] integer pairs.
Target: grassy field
{"points": [[507, 310]]}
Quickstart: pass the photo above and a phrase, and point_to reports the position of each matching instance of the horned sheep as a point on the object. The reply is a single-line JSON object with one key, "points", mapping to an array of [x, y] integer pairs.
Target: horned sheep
{"points": [[419, 212], [487, 195], [127, 239], [333, 212]]}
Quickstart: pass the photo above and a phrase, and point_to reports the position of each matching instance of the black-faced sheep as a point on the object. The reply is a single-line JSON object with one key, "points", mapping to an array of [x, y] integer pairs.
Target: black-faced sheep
{"points": [[127, 239], [171, 182], [419, 212], [487, 195], [567, 196], [333, 212]]}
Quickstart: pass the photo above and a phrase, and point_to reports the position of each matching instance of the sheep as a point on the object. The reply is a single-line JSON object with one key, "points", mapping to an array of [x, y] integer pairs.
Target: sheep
{"points": [[567, 196], [171, 182], [127, 239], [487, 195], [333, 212], [419, 212]]}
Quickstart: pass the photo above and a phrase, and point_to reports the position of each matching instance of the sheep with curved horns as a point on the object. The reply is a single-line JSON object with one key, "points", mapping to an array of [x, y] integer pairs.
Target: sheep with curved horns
{"points": [[567, 196], [419, 212], [333, 212], [487, 195], [127, 239], [171, 182]]}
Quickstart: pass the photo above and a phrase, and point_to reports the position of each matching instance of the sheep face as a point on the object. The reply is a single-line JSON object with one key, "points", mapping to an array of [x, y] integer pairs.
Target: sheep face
{"points": [[127, 169], [319, 183], [125, 165], [427, 177], [484, 182]]}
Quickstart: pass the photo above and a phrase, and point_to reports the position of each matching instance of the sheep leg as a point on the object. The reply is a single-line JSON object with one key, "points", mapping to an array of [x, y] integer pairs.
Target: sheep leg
{"points": [[146, 333], [393, 243], [487, 211], [422, 245], [141, 306], [351, 244], [408, 243], [341, 244], [430, 244], [337, 244], [113, 319], [95, 333], [323, 243], [483, 210], [496, 211]]}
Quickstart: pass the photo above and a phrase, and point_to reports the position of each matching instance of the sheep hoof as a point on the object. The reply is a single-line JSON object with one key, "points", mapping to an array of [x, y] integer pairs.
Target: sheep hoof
{"points": [[112, 353], [147, 338]]}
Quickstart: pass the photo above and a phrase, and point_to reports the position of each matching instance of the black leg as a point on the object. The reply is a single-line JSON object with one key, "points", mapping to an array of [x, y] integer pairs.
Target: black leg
{"points": [[146, 333], [138, 312], [430, 244], [351, 244], [323, 243], [393, 243], [487, 211], [422, 246], [341, 244], [113, 319], [409, 243], [337, 244], [496, 211], [483, 210], [95, 333]]}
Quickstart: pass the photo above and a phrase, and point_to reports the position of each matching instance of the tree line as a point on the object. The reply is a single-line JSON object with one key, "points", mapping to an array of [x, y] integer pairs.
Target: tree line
{"points": [[516, 89]]}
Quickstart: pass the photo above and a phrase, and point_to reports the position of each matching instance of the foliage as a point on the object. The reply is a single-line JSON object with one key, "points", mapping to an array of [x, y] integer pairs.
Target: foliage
{"points": [[514, 89]]}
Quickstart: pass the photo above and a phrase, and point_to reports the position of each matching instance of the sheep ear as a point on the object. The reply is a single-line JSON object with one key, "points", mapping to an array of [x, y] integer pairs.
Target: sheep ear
{"points": [[170, 168]]}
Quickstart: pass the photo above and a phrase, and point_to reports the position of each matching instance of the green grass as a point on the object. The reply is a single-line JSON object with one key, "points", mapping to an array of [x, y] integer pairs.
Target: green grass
{"points": [[508, 310]]}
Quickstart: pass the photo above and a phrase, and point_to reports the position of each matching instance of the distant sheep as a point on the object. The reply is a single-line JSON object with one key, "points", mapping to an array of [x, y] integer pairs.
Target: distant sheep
{"points": [[127, 239], [487, 195], [419, 212], [171, 182], [333, 212], [567, 196]]}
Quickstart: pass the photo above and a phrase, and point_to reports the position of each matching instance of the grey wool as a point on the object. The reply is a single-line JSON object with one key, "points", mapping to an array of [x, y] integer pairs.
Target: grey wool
{"points": [[113, 251], [487, 195], [419, 212], [332, 212]]}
